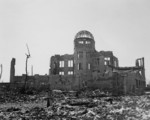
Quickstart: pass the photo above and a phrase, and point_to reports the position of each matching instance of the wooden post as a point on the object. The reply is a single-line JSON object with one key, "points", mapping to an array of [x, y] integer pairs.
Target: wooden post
{"points": [[50, 97]]}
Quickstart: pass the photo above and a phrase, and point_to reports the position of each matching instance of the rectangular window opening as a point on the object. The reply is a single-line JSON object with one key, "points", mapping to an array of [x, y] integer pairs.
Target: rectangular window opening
{"points": [[70, 63], [105, 63], [81, 42], [98, 61], [80, 54], [61, 73], [107, 58], [61, 63], [89, 66], [79, 66], [87, 42], [70, 72]]}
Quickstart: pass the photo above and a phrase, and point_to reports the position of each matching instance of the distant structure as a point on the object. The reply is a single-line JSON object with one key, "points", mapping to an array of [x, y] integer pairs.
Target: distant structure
{"points": [[95, 69], [88, 68], [36, 81], [12, 70]]}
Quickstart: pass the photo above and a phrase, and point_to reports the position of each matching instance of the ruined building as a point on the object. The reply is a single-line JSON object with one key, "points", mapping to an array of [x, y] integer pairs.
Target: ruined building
{"points": [[95, 69], [36, 81], [88, 68]]}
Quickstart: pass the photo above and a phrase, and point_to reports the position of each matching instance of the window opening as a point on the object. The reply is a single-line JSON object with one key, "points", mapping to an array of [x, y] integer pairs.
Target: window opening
{"points": [[61, 63], [80, 42], [89, 66], [79, 66], [61, 73], [70, 72], [87, 42], [98, 61], [80, 54], [70, 63], [107, 58], [105, 63]]}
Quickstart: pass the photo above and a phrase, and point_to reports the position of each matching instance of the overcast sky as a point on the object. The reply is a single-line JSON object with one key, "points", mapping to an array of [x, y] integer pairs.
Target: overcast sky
{"points": [[49, 28]]}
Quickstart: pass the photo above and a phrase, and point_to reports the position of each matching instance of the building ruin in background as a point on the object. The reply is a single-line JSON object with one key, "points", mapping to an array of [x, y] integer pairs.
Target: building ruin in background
{"points": [[90, 68], [94, 69], [34, 81]]}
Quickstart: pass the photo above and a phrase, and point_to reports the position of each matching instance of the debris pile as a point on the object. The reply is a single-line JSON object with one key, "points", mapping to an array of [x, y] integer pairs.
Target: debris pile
{"points": [[92, 105]]}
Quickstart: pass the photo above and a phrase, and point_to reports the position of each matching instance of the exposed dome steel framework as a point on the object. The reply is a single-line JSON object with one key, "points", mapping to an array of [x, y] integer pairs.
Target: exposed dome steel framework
{"points": [[84, 34]]}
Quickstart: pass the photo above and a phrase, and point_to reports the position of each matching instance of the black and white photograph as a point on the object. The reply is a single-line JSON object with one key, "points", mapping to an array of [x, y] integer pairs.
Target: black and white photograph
{"points": [[74, 59]]}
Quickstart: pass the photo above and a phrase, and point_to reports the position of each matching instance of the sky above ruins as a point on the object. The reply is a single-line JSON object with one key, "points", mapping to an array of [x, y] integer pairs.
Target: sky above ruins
{"points": [[49, 28]]}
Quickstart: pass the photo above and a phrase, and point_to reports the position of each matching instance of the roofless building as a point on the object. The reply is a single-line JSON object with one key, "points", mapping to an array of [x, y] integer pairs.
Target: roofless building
{"points": [[95, 69], [87, 68]]}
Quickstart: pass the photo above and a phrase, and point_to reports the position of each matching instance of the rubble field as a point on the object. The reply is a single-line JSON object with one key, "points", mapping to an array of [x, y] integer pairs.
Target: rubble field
{"points": [[91, 105]]}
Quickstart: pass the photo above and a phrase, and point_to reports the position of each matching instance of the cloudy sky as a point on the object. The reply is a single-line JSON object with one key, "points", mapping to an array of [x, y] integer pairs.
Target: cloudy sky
{"points": [[49, 28]]}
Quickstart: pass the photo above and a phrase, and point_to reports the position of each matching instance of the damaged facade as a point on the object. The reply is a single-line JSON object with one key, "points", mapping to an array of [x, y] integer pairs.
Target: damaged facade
{"points": [[94, 69], [87, 67]]}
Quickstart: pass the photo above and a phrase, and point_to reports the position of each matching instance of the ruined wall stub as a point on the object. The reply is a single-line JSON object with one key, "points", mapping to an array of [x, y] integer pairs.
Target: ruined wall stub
{"points": [[12, 70], [140, 63]]}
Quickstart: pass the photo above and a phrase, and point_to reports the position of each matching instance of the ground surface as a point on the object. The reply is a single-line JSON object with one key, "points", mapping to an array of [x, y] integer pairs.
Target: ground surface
{"points": [[34, 107]]}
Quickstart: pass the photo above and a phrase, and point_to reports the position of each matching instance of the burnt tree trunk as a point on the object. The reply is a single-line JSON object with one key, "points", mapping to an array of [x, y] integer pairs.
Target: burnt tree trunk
{"points": [[26, 77]]}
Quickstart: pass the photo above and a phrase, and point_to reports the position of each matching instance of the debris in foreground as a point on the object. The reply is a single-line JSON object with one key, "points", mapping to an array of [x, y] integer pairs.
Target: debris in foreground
{"points": [[31, 107]]}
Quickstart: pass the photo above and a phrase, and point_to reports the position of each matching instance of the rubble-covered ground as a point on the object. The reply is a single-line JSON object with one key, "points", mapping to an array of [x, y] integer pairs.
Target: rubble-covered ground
{"points": [[90, 105]]}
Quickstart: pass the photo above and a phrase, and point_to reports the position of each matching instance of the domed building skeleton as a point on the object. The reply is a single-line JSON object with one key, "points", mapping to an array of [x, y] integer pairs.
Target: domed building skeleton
{"points": [[87, 67], [85, 58], [94, 69]]}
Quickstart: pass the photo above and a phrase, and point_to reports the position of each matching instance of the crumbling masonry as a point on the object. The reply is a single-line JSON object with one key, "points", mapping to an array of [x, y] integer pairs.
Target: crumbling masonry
{"points": [[93, 69], [87, 68]]}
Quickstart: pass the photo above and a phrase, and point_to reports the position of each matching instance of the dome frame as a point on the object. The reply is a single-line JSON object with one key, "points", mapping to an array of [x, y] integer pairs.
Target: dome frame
{"points": [[84, 34]]}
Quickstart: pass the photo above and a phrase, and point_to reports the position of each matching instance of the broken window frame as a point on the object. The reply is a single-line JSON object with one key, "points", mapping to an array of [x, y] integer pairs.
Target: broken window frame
{"points": [[140, 72], [81, 42], [61, 64], [98, 61], [89, 66], [80, 55], [61, 73], [70, 72], [87, 42], [137, 83], [70, 63], [107, 58], [105, 62], [79, 66]]}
